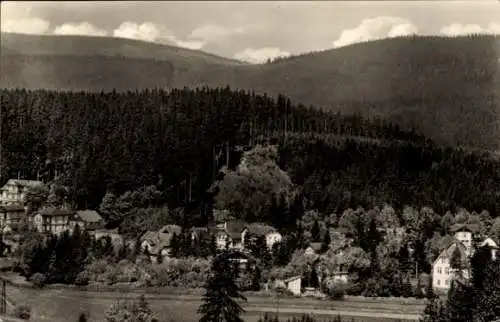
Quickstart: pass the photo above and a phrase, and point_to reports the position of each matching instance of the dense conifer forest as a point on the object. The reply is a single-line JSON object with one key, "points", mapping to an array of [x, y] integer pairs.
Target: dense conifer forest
{"points": [[179, 141]]}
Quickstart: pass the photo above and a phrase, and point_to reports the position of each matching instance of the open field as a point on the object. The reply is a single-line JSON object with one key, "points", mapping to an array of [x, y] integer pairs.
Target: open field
{"points": [[66, 304]]}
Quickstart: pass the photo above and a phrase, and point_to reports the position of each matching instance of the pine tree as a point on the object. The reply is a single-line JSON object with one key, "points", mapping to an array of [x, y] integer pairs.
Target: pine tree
{"points": [[82, 317], [326, 242], [456, 259], [429, 292], [221, 293], [435, 311], [315, 231], [212, 245], [256, 279], [479, 263]]}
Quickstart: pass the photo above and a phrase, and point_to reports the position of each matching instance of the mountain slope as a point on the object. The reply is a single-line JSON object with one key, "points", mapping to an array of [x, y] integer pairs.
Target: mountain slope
{"points": [[449, 88]]}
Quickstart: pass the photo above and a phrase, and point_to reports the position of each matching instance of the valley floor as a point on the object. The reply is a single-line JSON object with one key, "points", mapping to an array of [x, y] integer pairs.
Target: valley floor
{"points": [[66, 305]]}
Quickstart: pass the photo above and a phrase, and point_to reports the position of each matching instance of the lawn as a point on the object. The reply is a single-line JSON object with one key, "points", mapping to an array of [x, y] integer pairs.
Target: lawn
{"points": [[60, 305]]}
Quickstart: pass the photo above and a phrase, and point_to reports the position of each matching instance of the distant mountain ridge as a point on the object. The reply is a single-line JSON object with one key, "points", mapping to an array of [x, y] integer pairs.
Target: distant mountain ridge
{"points": [[449, 88]]}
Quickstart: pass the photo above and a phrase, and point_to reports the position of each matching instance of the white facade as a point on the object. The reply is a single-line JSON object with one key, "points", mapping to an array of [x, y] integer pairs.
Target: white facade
{"points": [[273, 238], [442, 273], [294, 285], [13, 191], [224, 240], [55, 224]]}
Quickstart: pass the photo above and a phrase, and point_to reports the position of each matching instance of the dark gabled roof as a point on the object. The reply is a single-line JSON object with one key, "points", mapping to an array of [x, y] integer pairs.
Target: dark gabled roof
{"points": [[90, 216], [170, 229], [465, 227], [447, 241], [315, 246], [150, 236], [258, 229], [56, 212], [234, 228], [448, 252], [12, 208]]}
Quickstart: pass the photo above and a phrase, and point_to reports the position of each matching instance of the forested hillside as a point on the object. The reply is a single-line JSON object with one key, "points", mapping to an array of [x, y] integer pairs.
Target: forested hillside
{"points": [[448, 88], [178, 142]]}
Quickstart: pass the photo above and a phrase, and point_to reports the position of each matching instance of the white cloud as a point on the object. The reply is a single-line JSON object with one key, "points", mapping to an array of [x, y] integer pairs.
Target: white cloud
{"points": [[376, 28], [83, 28], [190, 44], [146, 31], [260, 55], [33, 26], [457, 29], [401, 30]]}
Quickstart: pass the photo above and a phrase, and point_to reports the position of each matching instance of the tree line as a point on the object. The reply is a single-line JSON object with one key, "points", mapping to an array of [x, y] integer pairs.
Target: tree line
{"points": [[178, 140]]}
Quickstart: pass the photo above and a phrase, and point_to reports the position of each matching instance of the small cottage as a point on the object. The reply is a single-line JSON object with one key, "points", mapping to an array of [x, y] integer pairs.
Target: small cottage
{"points": [[54, 220], [292, 284], [492, 244], [88, 220], [271, 235], [230, 234], [159, 242], [313, 249]]}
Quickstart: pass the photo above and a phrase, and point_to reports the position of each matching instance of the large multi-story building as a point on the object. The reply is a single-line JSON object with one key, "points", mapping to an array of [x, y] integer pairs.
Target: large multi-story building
{"points": [[461, 243], [14, 190]]}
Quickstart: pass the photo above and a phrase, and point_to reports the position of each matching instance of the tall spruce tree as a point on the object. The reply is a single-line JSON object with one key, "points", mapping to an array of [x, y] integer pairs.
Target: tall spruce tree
{"points": [[221, 293]]}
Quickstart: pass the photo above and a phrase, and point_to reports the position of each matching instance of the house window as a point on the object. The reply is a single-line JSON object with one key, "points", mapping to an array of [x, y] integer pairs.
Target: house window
{"points": [[438, 282], [446, 282], [447, 271], [440, 270]]}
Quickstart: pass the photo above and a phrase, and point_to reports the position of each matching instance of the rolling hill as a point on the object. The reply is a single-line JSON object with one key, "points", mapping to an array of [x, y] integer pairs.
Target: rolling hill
{"points": [[449, 88]]}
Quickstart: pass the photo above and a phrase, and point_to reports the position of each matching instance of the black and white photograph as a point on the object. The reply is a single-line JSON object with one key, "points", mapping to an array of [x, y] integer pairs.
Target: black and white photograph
{"points": [[250, 161]]}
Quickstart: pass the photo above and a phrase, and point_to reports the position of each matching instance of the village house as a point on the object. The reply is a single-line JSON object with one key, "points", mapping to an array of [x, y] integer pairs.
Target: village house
{"points": [[270, 234], [493, 245], [159, 242], [198, 233], [13, 191], [292, 284], [313, 249], [11, 217], [54, 220], [230, 234], [88, 220], [442, 271]]}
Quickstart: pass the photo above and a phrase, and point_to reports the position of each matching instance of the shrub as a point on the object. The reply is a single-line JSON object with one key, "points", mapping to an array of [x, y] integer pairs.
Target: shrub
{"points": [[22, 312], [38, 280], [82, 278], [335, 290], [135, 310]]}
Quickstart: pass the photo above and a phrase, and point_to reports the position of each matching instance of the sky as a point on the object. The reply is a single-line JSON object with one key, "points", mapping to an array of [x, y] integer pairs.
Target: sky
{"points": [[253, 31]]}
